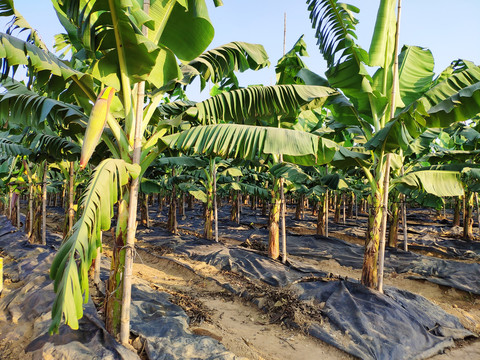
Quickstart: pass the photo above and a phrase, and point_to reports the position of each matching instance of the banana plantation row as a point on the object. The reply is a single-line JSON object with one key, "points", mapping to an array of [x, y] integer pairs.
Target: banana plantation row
{"points": [[95, 120], [179, 194]]}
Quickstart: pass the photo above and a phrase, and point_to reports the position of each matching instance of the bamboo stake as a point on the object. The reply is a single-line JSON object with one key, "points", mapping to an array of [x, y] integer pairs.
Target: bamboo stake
{"points": [[326, 205], [284, 232], [131, 227], [132, 210], [30, 208], [356, 207], [18, 211], [147, 210], [71, 211], [404, 222], [44, 204], [10, 197], [239, 197], [183, 205], [326, 213], [215, 212], [240, 204], [1, 274], [381, 254], [478, 212], [282, 193], [282, 218], [284, 31]]}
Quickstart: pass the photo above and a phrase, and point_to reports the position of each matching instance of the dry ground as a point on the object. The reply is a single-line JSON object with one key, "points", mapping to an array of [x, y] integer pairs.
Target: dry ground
{"points": [[249, 332]]}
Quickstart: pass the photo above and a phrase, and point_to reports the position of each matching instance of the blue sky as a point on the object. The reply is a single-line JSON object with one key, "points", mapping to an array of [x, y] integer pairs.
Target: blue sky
{"points": [[450, 29]]}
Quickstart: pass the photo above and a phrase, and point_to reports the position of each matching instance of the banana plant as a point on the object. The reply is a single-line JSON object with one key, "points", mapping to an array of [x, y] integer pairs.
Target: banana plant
{"points": [[449, 172], [246, 113], [198, 177], [100, 64], [314, 182], [172, 32], [36, 147], [393, 106], [250, 178]]}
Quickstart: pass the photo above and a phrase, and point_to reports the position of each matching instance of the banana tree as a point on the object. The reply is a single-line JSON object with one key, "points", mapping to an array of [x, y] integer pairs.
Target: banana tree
{"points": [[40, 148], [249, 141], [189, 175], [447, 180], [200, 179], [462, 164], [249, 178], [100, 37], [271, 106], [389, 113], [314, 182]]}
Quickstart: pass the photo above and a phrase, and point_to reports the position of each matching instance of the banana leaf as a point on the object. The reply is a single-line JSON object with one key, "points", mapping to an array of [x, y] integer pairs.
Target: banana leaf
{"points": [[248, 142], [70, 266]]}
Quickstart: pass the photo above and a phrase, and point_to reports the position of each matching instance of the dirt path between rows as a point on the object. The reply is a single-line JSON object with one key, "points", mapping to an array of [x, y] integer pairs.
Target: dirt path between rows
{"points": [[246, 331], [238, 324], [249, 332]]}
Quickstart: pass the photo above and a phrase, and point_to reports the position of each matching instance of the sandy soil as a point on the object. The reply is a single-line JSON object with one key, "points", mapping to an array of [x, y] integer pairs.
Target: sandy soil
{"points": [[239, 325], [249, 332]]}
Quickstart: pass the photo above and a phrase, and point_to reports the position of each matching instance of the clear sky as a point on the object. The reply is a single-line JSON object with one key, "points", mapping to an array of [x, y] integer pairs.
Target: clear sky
{"points": [[449, 28]]}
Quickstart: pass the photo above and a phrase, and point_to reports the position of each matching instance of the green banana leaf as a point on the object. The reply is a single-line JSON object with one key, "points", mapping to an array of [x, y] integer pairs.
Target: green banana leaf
{"points": [[193, 190], [442, 180], [176, 29], [149, 186], [457, 98], [187, 31], [290, 172], [27, 108], [454, 99], [259, 104], [52, 147], [334, 24], [448, 156], [455, 66], [415, 72], [152, 62], [10, 148], [186, 161], [382, 44], [435, 182], [422, 198], [311, 78], [381, 54], [460, 131], [345, 158], [218, 63], [251, 189], [175, 108], [290, 64], [421, 145], [70, 266], [18, 23], [53, 72], [247, 142], [471, 178], [231, 171]]}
